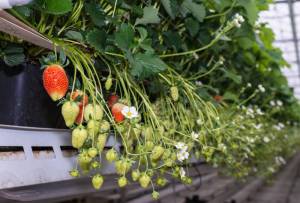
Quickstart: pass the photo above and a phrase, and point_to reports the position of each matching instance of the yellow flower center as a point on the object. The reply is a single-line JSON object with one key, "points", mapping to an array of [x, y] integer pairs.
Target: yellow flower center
{"points": [[129, 114]]}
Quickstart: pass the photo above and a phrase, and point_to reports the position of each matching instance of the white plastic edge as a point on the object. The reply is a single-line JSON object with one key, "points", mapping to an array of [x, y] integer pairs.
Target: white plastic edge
{"points": [[5, 4]]}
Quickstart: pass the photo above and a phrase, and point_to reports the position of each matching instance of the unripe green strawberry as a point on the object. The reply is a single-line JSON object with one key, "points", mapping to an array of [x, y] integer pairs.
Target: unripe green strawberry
{"points": [[122, 181], [94, 112], [154, 163], [84, 160], [169, 162], [79, 136], [148, 133], [161, 130], [135, 133], [74, 173], [161, 181], [104, 126], [93, 127], [187, 180], [166, 154], [92, 152], [97, 181], [111, 155], [157, 152], [155, 195], [197, 154], [135, 175], [101, 141], [144, 180], [95, 165], [108, 83], [149, 145], [122, 166], [174, 93], [69, 112]]}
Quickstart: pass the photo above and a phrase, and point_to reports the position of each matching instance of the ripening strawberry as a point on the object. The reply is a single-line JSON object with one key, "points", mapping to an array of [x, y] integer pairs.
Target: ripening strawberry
{"points": [[70, 111], [55, 81], [116, 111], [218, 98], [79, 136], [112, 100], [78, 95]]}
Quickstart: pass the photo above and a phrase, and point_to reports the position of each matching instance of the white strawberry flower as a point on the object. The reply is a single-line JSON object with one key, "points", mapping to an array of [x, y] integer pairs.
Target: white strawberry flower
{"points": [[279, 103], [181, 146], [182, 155], [261, 88], [272, 103], [130, 112], [195, 135], [266, 139]]}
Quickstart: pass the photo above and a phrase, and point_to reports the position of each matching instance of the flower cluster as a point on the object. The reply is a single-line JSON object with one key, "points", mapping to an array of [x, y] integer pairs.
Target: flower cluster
{"points": [[238, 20], [182, 154], [261, 88], [279, 126]]}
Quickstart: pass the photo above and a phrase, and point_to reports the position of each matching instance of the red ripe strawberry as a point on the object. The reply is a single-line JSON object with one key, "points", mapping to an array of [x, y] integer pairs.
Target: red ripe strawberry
{"points": [[116, 112], [79, 117], [55, 81], [218, 98], [112, 100]]}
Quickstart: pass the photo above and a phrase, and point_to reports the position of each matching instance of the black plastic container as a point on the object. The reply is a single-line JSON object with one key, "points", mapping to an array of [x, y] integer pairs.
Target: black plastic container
{"points": [[23, 100]]}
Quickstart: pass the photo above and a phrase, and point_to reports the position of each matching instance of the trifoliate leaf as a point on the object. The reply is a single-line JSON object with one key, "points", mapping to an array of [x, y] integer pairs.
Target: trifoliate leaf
{"points": [[146, 65], [197, 10], [53, 6], [74, 35], [170, 7], [14, 59], [96, 13], [150, 16], [97, 39], [124, 37]]}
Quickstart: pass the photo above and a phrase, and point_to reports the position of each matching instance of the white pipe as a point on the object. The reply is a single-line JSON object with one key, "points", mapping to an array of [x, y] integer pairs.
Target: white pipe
{"points": [[5, 4]]}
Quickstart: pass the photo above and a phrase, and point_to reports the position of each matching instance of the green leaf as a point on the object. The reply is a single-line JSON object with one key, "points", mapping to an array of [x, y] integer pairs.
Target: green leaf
{"points": [[53, 7], [146, 65], [96, 13], [233, 76], [192, 26], [245, 42], [143, 33], [197, 10], [230, 96], [74, 35], [150, 16], [251, 9], [172, 39], [97, 39], [23, 10], [14, 59], [124, 37], [170, 7]]}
